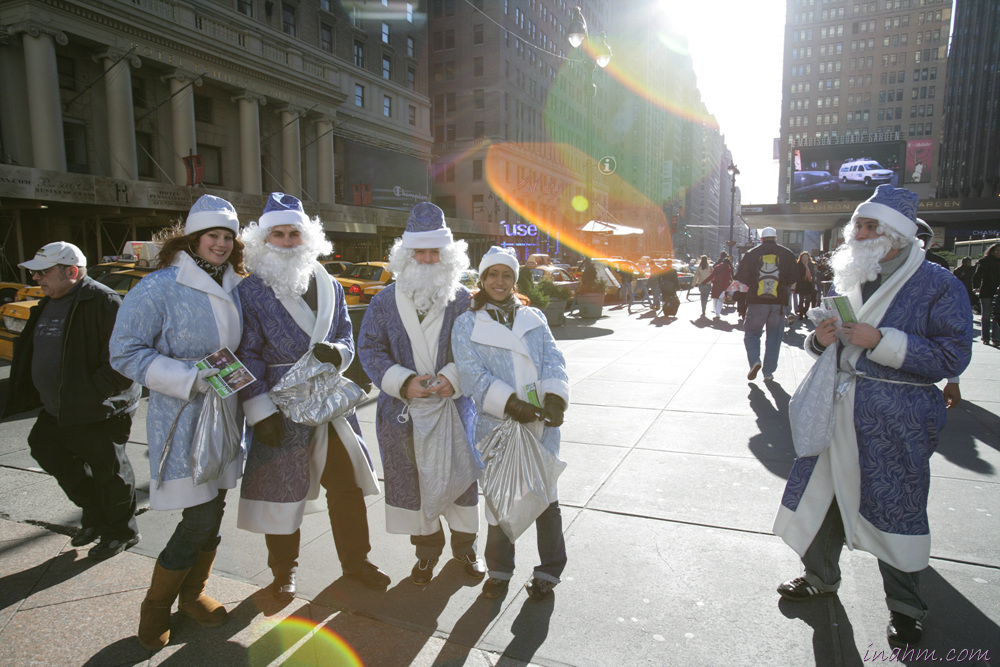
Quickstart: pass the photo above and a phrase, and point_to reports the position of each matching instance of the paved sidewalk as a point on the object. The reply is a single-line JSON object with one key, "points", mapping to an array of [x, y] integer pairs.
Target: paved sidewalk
{"points": [[676, 468]]}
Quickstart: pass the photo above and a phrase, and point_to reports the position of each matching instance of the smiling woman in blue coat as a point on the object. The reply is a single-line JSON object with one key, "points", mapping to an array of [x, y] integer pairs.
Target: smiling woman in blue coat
{"points": [[175, 317]]}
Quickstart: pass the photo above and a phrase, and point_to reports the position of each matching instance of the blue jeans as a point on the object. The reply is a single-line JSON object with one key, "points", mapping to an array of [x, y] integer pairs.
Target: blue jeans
{"points": [[198, 531], [989, 324], [628, 292], [822, 566], [759, 316], [551, 548]]}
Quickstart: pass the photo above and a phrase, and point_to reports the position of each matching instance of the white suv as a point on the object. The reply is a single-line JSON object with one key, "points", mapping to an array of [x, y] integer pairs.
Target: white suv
{"points": [[864, 171]]}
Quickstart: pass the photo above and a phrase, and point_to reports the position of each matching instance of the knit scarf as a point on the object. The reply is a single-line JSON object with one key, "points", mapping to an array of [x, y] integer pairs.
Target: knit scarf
{"points": [[215, 272], [503, 311]]}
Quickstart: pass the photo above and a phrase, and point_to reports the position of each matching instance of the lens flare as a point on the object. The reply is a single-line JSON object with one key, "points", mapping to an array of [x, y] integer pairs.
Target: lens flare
{"points": [[295, 640]]}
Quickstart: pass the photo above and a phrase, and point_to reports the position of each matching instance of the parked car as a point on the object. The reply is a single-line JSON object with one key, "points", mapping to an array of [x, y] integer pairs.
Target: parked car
{"points": [[362, 275], [336, 267], [612, 288], [470, 278], [864, 171], [98, 271], [560, 277], [123, 281], [8, 291], [538, 259], [366, 296]]}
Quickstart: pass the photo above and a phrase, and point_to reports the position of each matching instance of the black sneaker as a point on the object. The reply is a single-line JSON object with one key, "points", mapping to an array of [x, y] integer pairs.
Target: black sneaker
{"points": [[495, 588], [903, 630], [753, 371], [799, 589], [369, 575], [106, 548], [423, 571], [474, 567], [85, 536], [538, 589]]}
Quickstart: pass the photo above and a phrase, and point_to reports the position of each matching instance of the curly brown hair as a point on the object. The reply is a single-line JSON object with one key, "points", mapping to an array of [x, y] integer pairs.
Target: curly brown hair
{"points": [[174, 240]]}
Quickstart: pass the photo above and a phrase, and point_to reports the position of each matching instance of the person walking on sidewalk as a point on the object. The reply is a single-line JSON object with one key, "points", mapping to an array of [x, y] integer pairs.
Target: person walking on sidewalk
{"points": [[625, 277], [805, 286], [501, 347], [986, 280], [175, 317], [770, 272], [700, 280], [405, 348], [61, 364], [720, 277], [869, 488], [292, 306]]}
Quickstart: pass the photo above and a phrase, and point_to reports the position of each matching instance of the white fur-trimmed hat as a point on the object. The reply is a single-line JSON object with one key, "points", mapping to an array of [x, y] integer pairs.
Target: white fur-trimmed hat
{"points": [[497, 255], [210, 212], [426, 228], [896, 207], [282, 209]]}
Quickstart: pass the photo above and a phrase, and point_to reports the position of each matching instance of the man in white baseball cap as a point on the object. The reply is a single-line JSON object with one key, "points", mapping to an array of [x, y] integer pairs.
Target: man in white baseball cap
{"points": [[61, 364]]}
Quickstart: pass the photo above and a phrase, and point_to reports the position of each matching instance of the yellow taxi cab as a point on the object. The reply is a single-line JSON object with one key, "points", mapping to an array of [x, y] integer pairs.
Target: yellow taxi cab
{"points": [[361, 276], [15, 315]]}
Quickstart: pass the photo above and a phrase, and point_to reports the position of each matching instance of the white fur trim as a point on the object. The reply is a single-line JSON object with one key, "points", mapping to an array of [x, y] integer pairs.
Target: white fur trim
{"points": [[495, 400], [888, 215], [438, 238], [399, 521], [554, 386], [171, 377], [392, 381], [346, 356], [492, 259], [258, 408], [450, 371], [203, 220], [261, 516], [276, 218], [891, 350], [175, 494]]}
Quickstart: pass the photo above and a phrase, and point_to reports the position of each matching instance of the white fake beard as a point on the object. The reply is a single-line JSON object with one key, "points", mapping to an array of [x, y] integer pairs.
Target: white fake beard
{"points": [[858, 262], [285, 270]]}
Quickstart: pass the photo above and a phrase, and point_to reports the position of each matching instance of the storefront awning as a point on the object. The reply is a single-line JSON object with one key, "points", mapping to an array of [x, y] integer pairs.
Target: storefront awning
{"points": [[601, 227]]}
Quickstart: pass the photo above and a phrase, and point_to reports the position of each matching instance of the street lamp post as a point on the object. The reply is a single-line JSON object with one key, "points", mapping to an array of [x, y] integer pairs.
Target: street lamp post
{"points": [[733, 172], [577, 36]]}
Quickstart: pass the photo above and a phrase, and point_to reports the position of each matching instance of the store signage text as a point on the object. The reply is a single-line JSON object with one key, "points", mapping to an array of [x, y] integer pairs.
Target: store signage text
{"points": [[520, 229]]}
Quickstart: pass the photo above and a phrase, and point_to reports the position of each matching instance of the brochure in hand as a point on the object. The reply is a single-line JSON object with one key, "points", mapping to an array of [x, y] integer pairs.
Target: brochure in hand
{"points": [[233, 375], [841, 306]]}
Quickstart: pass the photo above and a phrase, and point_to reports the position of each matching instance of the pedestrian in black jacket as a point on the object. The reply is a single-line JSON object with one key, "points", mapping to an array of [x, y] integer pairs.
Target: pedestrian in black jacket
{"points": [[61, 364], [986, 279]]}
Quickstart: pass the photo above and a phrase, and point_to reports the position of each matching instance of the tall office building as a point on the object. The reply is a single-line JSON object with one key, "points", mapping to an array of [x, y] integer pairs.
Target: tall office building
{"points": [[970, 150], [858, 74]]}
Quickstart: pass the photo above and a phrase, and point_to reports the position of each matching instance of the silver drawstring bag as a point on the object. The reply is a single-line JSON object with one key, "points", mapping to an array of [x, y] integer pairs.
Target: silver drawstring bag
{"points": [[519, 478], [216, 441], [811, 408], [314, 392]]}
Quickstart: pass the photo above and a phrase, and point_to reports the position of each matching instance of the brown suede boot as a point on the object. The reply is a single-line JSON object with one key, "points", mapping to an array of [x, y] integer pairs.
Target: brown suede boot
{"points": [[154, 617], [193, 601]]}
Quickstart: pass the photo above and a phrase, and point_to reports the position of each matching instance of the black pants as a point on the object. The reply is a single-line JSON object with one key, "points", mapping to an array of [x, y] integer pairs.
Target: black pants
{"points": [[348, 516], [89, 463]]}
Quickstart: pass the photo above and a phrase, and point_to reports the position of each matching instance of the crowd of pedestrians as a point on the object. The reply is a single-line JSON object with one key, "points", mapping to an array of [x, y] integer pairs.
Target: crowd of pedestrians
{"points": [[456, 368]]}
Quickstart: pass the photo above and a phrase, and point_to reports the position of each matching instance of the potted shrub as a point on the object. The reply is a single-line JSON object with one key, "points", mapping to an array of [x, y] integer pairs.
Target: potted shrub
{"points": [[526, 286], [590, 295], [558, 296]]}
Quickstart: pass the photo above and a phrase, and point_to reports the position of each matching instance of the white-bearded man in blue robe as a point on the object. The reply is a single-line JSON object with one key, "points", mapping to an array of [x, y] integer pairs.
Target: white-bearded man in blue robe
{"points": [[405, 348], [869, 488], [291, 306]]}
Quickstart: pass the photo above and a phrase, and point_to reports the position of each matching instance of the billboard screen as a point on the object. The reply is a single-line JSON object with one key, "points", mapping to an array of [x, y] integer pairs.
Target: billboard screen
{"points": [[919, 157], [386, 179], [846, 171]]}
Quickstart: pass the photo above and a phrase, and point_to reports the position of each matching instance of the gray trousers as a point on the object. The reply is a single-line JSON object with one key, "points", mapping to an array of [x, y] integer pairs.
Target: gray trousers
{"points": [[822, 565]]}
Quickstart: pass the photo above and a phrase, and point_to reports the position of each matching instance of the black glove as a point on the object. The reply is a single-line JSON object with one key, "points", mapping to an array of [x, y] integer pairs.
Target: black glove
{"points": [[269, 430], [554, 409], [326, 353], [521, 411]]}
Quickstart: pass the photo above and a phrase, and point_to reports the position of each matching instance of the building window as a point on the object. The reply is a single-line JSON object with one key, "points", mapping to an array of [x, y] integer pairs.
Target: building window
{"points": [[387, 106], [359, 54], [212, 158], [477, 66], [480, 130], [75, 140], [409, 12], [245, 7], [66, 69], [139, 93], [144, 154], [386, 67], [203, 108], [412, 114], [411, 78], [477, 34], [324, 5], [479, 98], [326, 38], [411, 48], [449, 39], [359, 95], [287, 19], [477, 170], [449, 133], [385, 33]]}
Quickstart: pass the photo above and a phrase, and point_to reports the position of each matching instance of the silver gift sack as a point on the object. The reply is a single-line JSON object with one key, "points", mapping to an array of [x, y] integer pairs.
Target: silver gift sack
{"points": [[811, 408], [313, 392], [519, 477], [216, 441]]}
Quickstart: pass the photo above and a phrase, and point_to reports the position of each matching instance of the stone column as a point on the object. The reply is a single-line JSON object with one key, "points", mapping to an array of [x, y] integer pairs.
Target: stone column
{"points": [[291, 163], [324, 160], [121, 117], [47, 141], [182, 115], [250, 180]]}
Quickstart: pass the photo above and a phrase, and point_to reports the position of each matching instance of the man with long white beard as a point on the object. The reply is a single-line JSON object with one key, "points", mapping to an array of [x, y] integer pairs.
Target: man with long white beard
{"points": [[869, 488], [405, 348], [290, 306]]}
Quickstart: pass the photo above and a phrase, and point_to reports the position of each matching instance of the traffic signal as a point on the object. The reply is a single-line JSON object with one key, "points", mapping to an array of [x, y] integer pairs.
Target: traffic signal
{"points": [[673, 225]]}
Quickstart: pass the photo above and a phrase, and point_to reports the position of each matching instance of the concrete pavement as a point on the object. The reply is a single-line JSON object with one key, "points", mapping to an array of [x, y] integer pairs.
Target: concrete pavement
{"points": [[676, 467]]}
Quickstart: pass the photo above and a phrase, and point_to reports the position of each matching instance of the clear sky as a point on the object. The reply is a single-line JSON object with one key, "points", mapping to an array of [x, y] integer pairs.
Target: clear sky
{"points": [[736, 47]]}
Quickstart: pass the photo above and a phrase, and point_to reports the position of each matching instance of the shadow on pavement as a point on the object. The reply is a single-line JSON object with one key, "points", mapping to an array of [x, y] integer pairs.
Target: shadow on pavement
{"points": [[959, 444], [772, 445], [213, 646], [829, 622], [19, 585], [530, 629], [579, 330], [469, 629]]}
